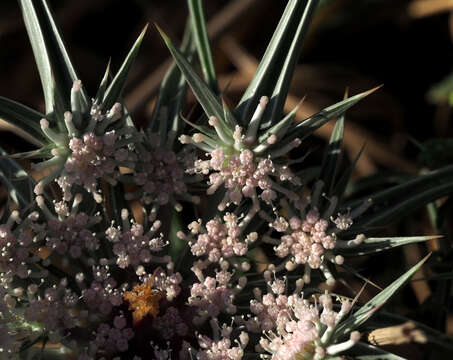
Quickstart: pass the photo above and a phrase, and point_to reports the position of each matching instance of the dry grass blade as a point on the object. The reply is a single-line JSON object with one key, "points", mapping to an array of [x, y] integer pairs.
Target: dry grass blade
{"points": [[424, 8], [397, 335]]}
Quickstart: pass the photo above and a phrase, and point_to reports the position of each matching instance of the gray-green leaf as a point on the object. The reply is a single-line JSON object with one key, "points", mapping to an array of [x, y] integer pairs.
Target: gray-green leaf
{"points": [[202, 92], [115, 89], [24, 120], [20, 185], [367, 310], [373, 245], [200, 34]]}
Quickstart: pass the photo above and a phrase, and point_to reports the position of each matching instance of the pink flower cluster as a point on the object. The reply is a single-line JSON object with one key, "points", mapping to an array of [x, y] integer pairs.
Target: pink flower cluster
{"points": [[114, 338], [221, 240], [16, 259], [240, 173], [14, 254], [69, 235], [221, 347], [159, 176], [168, 282], [103, 294], [271, 310], [307, 241], [93, 158], [302, 329], [54, 310], [131, 246], [211, 296]]}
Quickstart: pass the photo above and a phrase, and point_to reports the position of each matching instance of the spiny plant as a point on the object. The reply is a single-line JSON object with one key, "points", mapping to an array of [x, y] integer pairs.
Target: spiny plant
{"points": [[110, 271]]}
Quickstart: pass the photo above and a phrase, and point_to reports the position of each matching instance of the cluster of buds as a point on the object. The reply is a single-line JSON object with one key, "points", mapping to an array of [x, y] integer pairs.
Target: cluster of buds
{"points": [[91, 145], [101, 294], [109, 339], [221, 346], [220, 240], [214, 295], [15, 258], [294, 327], [244, 163], [305, 237], [93, 158], [54, 310], [158, 175], [66, 231], [131, 245]]}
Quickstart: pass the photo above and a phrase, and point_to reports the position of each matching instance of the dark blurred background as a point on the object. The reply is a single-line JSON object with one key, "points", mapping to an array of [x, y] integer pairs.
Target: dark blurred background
{"points": [[406, 45]]}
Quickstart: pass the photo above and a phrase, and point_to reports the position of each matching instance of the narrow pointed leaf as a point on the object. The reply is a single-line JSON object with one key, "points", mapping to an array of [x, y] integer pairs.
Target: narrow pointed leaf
{"points": [[28, 343], [40, 153], [24, 120], [314, 122], [170, 97], [126, 115], [281, 127], [61, 63], [115, 89], [103, 85], [380, 180], [51, 57], [401, 199], [202, 92], [340, 188], [373, 353], [173, 90], [333, 156], [264, 79], [200, 34], [280, 91], [367, 310], [373, 245], [6, 214], [413, 185], [230, 121], [60, 106], [20, 185], [36, 37], [206, 130]]}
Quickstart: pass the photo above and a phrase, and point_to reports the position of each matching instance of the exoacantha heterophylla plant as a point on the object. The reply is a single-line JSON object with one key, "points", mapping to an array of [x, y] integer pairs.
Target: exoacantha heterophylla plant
{"points": [[104, 257]]}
